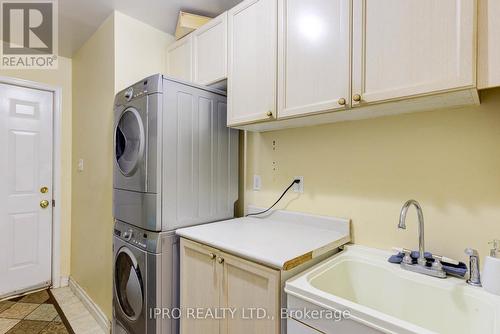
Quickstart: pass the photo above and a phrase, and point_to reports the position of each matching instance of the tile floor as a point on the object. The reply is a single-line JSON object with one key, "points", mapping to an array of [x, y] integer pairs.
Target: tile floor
{"points": [[36, 313], [77, 314]]}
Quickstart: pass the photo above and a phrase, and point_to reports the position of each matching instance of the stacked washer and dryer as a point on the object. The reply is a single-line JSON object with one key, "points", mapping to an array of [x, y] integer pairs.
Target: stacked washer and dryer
{"points": [[176, 165]]}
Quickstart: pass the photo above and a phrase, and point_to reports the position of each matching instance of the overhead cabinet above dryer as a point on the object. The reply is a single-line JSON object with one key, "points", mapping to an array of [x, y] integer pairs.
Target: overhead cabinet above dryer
{"points": [[348, 59], [201, 56]]}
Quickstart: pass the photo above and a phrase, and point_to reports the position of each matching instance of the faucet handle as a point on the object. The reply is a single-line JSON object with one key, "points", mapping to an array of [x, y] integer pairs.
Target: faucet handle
{"points": [[437, 265], [407, 254], [445, 259]]}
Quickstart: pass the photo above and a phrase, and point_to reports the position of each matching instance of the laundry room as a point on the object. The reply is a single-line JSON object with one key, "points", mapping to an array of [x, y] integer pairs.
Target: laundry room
{"points": [[250, 166]]}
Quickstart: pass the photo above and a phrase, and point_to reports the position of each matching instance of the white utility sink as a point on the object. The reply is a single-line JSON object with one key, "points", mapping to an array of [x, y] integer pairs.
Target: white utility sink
{"points": [[386, 299]]}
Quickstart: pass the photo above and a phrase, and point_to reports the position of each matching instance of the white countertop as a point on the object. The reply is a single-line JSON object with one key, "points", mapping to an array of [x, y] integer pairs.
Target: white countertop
{"points": [[282, 240]]}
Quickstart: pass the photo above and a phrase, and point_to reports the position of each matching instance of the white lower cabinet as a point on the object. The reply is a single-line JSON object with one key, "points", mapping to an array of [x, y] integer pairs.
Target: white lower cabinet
{"points": [[211, 279]]}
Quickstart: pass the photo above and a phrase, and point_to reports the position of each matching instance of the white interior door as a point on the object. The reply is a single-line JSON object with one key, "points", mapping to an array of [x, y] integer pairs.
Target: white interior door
{"points": [[26, 191]]}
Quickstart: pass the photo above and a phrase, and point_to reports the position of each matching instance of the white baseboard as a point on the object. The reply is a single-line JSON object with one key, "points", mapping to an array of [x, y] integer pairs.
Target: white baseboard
{"points": [[92, 307]]}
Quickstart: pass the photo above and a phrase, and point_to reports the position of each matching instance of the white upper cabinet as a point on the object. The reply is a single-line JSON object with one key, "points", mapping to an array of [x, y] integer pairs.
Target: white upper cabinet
{"points": [[210, 51], [488, 65], [252, 61], [314, 56], [412, 47], [179, 59]]}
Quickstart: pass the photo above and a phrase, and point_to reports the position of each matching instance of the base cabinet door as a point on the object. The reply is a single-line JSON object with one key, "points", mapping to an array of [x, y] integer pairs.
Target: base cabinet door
{"points": [[411, 47], [179, 59], [252, 61], [244, 296], [200, 277], [253, 291], [314, 56]]}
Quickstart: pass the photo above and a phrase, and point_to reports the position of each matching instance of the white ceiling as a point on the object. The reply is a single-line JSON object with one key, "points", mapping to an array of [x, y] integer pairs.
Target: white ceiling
{"points": [[79, 19]]}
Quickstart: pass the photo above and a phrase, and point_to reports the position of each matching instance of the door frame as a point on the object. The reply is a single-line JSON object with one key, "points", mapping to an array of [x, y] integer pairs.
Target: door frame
{"points": [[57, 280]]}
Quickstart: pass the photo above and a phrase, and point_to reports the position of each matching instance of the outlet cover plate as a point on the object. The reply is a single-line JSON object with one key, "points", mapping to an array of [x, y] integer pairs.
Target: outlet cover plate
{"points": [[257, 182], [298, 187]]}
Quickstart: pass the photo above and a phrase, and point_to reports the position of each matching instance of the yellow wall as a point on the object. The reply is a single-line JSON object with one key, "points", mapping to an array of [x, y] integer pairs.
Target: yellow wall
{"points": [[60, 77], [449, 160], [140, 50], [121, 52], [92, 224]]}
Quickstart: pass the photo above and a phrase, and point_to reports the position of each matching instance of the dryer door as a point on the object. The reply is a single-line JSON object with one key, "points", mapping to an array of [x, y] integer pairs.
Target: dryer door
{"points": [[130, 141], [129, 284]]}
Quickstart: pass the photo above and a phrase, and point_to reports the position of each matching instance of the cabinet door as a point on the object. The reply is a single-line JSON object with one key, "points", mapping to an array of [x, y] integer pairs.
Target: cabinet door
{"points": [[247, 286], [252, 61], [412, 47], [179, 59], [200, 277], [488, 64], [210, 51], [314, 56]]}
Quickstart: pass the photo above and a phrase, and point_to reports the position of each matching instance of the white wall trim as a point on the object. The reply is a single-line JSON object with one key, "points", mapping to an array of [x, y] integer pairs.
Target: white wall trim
{"points": [[92, 307], [56, 169]]}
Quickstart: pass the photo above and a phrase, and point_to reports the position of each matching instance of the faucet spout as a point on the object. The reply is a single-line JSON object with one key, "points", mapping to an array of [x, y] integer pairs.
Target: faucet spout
{"points": [[402, 225]]}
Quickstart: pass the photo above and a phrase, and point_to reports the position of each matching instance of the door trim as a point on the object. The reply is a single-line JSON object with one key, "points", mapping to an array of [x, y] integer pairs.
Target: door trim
{"points": [[57, 280]]}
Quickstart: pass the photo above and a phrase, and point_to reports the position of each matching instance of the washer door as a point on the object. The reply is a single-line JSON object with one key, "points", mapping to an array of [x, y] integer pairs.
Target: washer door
{"points": [[129, 284], [130, 141]]}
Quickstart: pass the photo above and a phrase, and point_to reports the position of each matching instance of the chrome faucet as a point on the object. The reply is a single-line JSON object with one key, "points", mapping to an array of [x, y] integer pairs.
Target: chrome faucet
{"points": [[402, 225], [474, 275], [436, 269]]}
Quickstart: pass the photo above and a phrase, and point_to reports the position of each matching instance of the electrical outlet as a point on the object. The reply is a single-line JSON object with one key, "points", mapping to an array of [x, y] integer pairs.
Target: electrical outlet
{"points": [[80, 165], [257, 182], [298, 187]]}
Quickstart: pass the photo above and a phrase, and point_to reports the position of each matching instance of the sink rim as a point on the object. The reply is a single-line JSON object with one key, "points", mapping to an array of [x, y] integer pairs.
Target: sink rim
{"points": [[300, 286]]}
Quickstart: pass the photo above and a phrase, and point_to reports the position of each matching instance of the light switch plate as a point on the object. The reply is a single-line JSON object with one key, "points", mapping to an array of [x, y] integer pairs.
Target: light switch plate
{"points": [[80, 165], [299, 187], [257, 182]]}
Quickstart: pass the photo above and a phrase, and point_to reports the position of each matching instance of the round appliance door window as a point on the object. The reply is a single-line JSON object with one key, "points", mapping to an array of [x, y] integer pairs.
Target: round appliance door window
{"points": [[129, 141], [128, 284]]}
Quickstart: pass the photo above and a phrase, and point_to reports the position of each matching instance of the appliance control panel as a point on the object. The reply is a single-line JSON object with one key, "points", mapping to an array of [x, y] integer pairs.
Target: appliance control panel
{"points": [[146, 240]]}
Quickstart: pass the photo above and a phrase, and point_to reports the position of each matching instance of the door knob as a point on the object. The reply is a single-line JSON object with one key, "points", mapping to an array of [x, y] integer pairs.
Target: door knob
{"points": [[269, 114], [212, 256], [342, 101], [44, 190], [220, 260], [356, 98], [44, 204]]}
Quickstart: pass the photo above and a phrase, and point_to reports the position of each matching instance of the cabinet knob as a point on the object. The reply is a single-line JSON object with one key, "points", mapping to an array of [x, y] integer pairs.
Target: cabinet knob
{"points": [[220, 260], [269, 113], [342, 101], [212, 256], [356, 98]]}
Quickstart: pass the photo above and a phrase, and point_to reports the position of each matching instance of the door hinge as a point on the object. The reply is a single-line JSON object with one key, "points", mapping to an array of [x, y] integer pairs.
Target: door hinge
{"points": [[53, 203]]}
